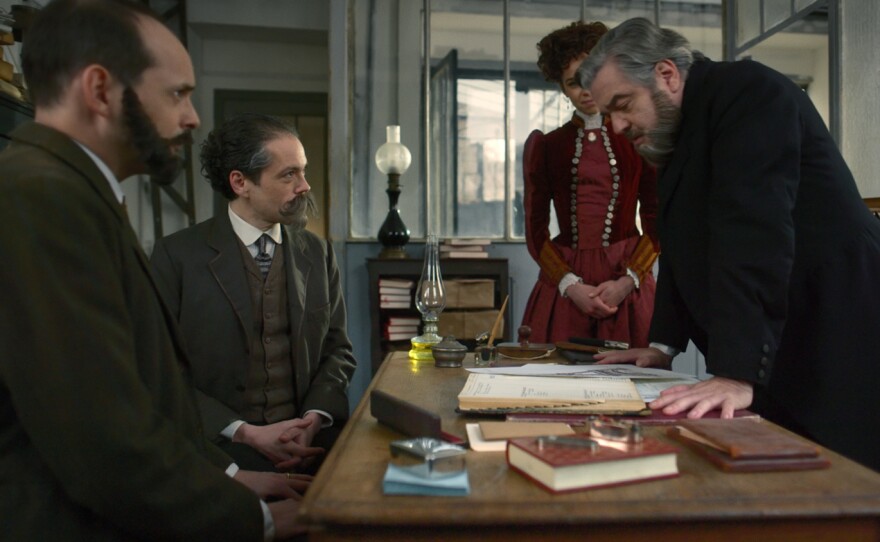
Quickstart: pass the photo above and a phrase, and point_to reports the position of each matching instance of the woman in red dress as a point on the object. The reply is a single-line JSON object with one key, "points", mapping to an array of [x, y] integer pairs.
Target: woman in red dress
{"points": [[595, 276]]}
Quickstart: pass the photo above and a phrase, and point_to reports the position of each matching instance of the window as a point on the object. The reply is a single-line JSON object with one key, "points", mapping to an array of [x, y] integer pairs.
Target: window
{"points": [[486, 94]]}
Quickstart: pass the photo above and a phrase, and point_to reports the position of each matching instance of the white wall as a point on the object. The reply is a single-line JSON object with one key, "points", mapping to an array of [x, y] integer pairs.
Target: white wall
{"points": [[256, 45], [860, 93], [253, 46]]}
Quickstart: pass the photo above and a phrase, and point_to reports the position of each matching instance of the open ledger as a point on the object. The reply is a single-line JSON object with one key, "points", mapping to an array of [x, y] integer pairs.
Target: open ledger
{"points": [[496, 393]]}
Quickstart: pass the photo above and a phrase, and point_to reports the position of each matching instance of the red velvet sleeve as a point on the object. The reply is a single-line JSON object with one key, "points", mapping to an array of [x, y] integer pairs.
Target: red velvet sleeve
{"points": [[537, 201]]}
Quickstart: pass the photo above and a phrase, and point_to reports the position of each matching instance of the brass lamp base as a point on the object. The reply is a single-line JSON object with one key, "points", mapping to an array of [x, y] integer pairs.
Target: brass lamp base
{"points": [[391, 253]]}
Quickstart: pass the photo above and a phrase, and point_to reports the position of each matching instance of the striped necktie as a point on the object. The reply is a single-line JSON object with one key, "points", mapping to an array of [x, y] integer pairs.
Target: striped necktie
{"points": [[263, 259]]}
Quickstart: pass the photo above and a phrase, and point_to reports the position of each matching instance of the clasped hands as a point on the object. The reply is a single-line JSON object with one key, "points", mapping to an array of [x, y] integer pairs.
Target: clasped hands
{"points": [[698, 399], [600, 301], [287, 444]]}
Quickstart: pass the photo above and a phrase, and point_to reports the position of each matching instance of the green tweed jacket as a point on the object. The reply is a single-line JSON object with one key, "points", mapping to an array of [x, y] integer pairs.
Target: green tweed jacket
{"points": [[100, 438]]}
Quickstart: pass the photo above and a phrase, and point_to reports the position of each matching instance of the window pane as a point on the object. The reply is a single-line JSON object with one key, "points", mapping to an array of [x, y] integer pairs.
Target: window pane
{"points": [[535, 103], [801, 53], [699, 22], [387, 79], [468, 196], [480, 194], [801, 4], [776, 11], [748, 18]]}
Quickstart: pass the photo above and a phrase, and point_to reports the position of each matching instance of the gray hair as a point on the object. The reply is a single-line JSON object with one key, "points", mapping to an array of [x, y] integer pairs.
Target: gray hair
{"points": [[636, 46]]}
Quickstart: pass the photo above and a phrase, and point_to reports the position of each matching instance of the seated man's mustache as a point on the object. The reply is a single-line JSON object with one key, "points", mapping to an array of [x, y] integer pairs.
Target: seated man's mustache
{"points": [[303, 205]]}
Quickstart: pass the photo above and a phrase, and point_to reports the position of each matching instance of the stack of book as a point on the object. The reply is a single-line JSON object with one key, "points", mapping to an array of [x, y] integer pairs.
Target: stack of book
{"points": [[401, 328], [464, 248], [395, 293]]}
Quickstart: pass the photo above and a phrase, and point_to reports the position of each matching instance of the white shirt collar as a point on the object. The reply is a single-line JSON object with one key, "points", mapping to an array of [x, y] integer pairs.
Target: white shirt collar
{"points": [[591, 122], [248, 233], [111, 178]]}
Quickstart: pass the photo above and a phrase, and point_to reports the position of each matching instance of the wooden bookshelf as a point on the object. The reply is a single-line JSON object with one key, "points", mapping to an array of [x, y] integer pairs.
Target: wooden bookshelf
{"points": [[411, 269]]}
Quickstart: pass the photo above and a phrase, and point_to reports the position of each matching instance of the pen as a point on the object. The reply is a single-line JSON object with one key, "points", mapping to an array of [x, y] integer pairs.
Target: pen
{"points": [[616, 345]]}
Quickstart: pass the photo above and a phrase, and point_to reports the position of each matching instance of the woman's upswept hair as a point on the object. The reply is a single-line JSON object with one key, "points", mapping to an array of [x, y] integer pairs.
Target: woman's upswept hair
{"points": [[561, 46]]}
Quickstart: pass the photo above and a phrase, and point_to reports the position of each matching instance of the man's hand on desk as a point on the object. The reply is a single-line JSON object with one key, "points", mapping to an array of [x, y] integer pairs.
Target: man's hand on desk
{"points": [[641, 357], [717, 392], [284, 517], [274, 484], [267, 440]]}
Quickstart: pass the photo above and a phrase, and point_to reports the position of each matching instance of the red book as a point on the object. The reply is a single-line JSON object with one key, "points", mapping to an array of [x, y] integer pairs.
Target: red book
{"points": [[656, 417], [748, 446], [396, 283], [387, 290], [393, 298], [402, 329], [397, 336], [560, 468], [404, 321]]}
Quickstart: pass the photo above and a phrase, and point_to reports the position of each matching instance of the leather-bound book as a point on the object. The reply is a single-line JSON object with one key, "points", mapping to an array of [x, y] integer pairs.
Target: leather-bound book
{"points": [[748, 445], [564, 464]]}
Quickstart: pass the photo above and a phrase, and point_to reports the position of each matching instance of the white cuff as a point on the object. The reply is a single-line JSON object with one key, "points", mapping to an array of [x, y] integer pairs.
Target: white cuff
{"points": [[327, 418], [229, 430], [268, 523], [668, 350], [633, 275], [568, 280]]}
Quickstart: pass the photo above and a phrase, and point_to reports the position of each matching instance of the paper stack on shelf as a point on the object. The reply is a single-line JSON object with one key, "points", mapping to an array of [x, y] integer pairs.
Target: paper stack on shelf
{"points": [[464, 248], [395, 293], [401, 328]]}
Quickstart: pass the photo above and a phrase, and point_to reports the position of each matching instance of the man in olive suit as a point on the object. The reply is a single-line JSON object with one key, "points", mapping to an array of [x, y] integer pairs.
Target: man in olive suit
{"points": [[100, 438], [260, 303]]}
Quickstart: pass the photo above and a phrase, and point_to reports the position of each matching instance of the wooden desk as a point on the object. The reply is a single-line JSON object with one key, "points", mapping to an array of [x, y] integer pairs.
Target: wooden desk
{"points": [[346, 501]]}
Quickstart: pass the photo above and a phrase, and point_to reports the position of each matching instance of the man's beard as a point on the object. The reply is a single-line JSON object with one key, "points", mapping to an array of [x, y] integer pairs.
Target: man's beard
{"points": [[153, 150], [296, 213], [660, 142]]}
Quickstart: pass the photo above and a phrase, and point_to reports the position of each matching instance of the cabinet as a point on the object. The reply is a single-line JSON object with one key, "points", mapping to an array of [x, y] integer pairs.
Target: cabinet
{"points": [[411, 269]]}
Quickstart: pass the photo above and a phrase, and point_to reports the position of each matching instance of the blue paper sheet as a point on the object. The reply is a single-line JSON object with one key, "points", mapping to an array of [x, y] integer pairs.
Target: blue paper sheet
{"points": [[400, 482]]}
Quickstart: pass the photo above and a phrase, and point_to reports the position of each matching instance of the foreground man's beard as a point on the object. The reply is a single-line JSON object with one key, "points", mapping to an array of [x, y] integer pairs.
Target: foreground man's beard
{"points": [[661, 140], [296, 213], [153, 151]]}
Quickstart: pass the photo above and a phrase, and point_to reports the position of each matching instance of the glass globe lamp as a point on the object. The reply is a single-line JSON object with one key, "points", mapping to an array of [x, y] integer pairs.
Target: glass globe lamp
{"points": [[393, 159]]}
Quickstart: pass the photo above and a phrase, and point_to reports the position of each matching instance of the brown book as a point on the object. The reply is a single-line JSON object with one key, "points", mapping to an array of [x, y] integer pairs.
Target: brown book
{"points": [[647, 417], [564, 464], [748, 445]]}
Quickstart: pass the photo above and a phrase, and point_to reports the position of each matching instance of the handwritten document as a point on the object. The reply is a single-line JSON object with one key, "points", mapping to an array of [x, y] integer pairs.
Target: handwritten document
{"points": [[483, 391]]}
